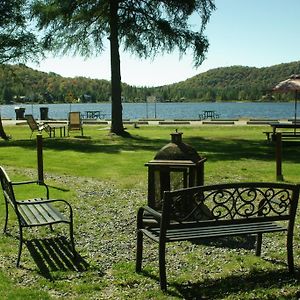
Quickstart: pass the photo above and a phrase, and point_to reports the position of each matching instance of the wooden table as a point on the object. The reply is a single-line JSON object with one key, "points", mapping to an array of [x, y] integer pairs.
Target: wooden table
{"points": [[53, 127], [284, 133]]}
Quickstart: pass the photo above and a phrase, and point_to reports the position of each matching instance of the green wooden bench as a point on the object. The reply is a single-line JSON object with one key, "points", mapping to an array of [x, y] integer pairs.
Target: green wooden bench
{"points": [[219, 211], [36, 211]]}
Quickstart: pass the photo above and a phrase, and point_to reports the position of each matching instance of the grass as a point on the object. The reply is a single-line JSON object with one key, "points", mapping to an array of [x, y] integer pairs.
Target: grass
{"points": [[105, 179]]}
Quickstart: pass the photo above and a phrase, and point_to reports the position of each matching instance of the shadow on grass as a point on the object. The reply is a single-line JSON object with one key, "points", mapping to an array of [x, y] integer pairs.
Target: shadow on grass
{"points": [[213, 149], [232, 242], [218, 288], [237, 284], [256, 282], [55, 254]]}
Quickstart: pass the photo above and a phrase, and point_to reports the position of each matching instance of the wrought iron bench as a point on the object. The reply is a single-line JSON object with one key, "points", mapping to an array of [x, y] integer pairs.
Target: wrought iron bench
{"points": [[34, 212], [219, 211]]}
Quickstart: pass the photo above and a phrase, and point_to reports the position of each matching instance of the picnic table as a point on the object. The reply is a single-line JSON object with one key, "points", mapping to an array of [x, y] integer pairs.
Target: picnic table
{"points": [[94, 114], [292, 133], [209, 114]]}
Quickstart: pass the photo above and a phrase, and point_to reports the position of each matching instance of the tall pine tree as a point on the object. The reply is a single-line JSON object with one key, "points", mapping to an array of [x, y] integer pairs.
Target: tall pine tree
{"points": [[144, 27]]}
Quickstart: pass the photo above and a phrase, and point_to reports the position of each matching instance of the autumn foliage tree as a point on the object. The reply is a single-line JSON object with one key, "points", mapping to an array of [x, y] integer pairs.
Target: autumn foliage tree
{"points": [[144, 27]]}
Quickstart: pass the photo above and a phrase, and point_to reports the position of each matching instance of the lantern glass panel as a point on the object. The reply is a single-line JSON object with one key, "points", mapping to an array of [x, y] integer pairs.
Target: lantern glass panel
{"points": [[157, 189], [178, 179]]}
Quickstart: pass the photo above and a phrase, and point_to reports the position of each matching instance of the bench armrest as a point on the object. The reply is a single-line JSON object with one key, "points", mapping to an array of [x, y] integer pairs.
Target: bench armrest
{"points": [[154, 213], [33, 182], [151, 213]]}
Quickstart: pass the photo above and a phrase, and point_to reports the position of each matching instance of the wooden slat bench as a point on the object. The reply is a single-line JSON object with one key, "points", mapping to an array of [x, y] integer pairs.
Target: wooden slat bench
{"points": [[219, 211], [34, 212]]}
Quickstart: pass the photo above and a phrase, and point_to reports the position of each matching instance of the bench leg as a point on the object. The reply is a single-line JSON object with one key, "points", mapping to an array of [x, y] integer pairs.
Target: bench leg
{"points": [[20, 246], [139, 251], [6, 217], [258, 244], [162, 266], [290, 256], [72, 240]]}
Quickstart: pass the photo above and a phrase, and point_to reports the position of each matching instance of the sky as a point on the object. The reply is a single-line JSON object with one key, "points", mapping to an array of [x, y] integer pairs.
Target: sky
{"points": [[255, 33]]}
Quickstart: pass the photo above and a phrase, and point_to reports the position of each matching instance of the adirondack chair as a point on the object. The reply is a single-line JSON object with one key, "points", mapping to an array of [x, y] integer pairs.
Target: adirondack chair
{"points": [[75, 122], [34, 125]]}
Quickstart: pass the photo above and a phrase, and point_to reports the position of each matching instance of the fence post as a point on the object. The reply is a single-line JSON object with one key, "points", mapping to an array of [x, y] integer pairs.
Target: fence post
{"points": [[278, 154], [39, 149]]}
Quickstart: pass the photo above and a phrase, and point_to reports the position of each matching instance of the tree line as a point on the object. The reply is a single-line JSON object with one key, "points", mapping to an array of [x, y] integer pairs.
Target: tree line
{"points": [[19, 83]]}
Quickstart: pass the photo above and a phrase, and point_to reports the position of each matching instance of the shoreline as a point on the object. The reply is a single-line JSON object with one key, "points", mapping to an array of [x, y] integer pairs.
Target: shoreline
{"points": [[162, 122]]}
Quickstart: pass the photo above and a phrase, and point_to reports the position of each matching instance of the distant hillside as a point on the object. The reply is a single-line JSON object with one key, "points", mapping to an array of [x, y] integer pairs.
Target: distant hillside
{"points": [[19, 83], [231, 83]]}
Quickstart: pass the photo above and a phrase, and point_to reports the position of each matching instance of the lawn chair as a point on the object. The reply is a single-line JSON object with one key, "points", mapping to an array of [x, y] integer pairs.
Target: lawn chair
{"points": [[75, 122], [34, 126]]}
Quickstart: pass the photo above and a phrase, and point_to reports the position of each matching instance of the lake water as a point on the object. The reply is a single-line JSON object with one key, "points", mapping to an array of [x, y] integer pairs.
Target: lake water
{"points": [[231, 110]]}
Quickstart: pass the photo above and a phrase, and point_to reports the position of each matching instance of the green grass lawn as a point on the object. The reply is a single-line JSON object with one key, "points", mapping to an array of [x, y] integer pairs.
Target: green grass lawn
{"points": [[105, 180]]}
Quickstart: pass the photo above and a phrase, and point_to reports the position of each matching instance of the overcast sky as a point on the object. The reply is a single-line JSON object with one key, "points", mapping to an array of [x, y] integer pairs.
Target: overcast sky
{"points": [[255, 33]]}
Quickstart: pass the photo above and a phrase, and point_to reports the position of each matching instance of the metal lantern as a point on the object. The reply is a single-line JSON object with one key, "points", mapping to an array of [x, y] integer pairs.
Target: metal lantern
{"points": [[176, 165]]}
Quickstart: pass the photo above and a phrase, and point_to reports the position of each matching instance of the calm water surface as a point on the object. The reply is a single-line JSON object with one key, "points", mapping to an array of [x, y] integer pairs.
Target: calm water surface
{"points": [[164, 110]]}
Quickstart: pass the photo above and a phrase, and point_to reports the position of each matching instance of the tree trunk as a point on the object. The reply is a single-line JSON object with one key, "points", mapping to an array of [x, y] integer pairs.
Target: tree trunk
{"points": [[116, 102], [2, 132]]}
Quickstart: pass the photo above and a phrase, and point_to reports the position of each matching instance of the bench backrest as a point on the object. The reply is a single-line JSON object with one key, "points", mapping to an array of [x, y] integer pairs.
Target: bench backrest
{"points": [[7, 188], [230, 203]]}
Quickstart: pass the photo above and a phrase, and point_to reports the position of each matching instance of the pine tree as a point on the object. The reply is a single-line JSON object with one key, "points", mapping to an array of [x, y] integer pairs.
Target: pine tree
{"points": [[144, 27]]}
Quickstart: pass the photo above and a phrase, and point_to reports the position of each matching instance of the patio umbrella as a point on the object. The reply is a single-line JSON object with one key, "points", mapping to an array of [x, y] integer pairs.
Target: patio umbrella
{"points": [[290, 85]]}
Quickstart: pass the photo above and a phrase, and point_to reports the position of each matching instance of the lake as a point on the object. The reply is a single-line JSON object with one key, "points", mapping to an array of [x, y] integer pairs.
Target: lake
{"points": [[228, 110]]}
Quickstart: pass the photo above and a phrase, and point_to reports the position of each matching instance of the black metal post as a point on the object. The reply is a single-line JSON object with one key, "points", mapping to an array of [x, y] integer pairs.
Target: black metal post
{"points": [[278, 154], [40, 164]]}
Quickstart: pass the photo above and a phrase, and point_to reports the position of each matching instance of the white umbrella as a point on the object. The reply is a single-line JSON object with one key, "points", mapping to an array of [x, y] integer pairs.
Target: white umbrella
{"points": [[290, 85]]}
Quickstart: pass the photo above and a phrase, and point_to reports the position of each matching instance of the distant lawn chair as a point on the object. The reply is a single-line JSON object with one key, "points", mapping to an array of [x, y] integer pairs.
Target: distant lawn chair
{"points": [[75, 122], [34, 126]]}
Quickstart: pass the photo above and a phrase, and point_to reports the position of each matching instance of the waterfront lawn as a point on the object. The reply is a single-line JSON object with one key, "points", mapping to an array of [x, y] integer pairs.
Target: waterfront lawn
{"points": [[105, 179]]}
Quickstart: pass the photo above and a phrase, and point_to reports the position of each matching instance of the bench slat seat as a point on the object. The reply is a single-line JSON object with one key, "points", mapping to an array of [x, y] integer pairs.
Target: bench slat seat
{"points": [[183, 234], [38, 214]]}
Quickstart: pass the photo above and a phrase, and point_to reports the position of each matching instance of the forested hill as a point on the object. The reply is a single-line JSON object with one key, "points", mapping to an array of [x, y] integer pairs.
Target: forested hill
{"points": [[232, 83], [19, 83]]}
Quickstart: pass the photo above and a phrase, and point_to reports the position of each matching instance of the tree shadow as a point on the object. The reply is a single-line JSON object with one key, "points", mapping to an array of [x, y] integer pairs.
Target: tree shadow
{"points": [[238, 149], [213, 149], [55, 254]]}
